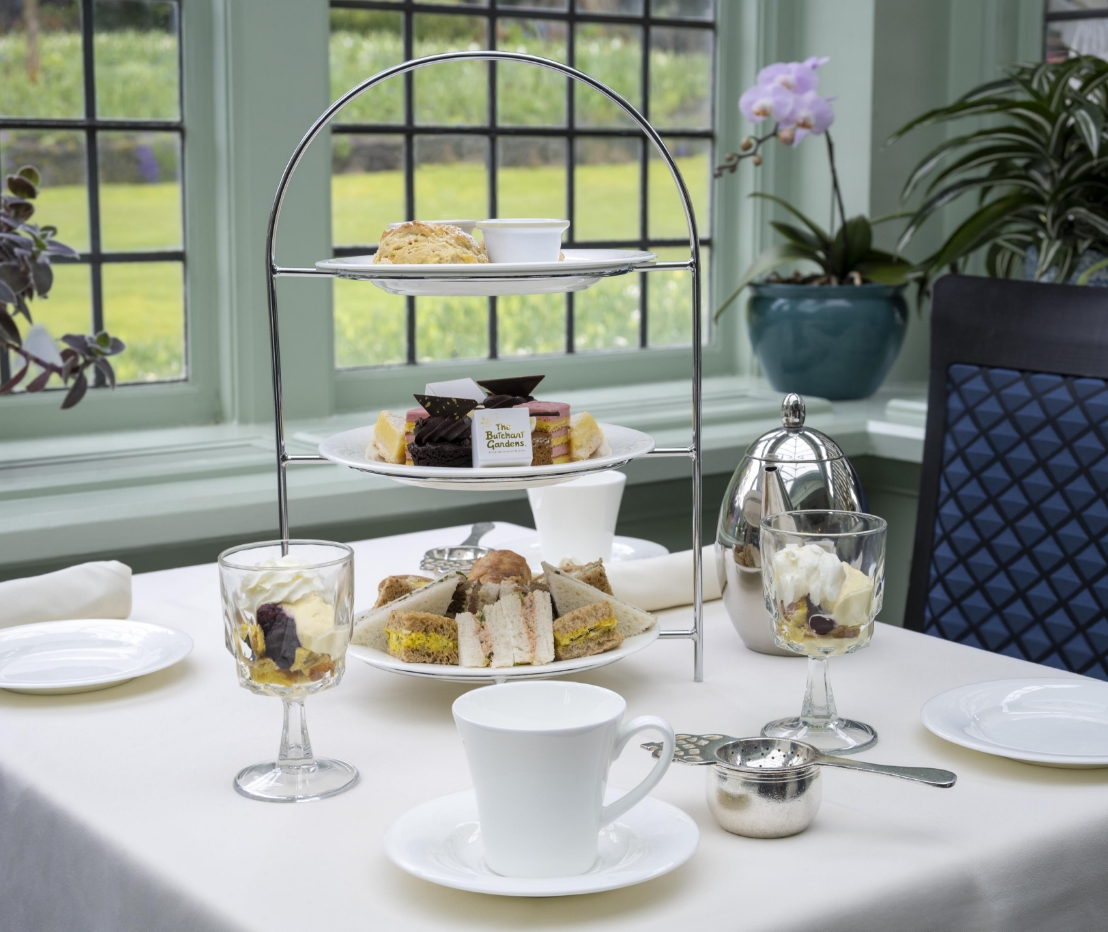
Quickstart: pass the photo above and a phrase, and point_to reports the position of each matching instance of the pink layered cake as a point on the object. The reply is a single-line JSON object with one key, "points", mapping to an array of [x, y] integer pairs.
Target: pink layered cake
{"points": [[550, 436], [410, 418]]}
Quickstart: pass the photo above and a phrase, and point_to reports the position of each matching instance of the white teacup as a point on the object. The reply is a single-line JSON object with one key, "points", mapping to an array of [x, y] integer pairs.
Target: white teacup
{"points": [[577, 519], [539, 755]]}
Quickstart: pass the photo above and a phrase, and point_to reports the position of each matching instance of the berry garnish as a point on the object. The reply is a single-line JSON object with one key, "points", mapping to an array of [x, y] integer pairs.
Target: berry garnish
{"points": [[821, 624], [279, 628]]}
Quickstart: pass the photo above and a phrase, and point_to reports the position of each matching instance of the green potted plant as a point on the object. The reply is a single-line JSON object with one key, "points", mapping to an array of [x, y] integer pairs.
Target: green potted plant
{"points": [[1038, 169], [834, 332], [25, 274]]}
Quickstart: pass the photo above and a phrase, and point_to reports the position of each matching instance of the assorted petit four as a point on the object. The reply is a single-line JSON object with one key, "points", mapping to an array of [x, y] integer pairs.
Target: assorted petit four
{"points": [[440, 432], [498, 616], [417, 243]]}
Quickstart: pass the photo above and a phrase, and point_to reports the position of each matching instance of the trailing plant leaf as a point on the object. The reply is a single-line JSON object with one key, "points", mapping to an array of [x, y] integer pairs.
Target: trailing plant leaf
{"points": [[25, 274]]}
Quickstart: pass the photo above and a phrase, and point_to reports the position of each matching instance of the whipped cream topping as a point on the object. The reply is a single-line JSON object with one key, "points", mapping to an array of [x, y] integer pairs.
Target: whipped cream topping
{"points": [[283, 579], [807, 571]]}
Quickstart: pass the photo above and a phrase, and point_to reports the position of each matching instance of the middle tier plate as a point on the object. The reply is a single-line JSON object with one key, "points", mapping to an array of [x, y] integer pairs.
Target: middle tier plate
{"points": [[580, 269], [349, 449]]}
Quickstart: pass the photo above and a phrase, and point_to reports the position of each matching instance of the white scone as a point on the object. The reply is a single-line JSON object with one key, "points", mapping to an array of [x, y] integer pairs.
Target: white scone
{"points": [[419, 243]]}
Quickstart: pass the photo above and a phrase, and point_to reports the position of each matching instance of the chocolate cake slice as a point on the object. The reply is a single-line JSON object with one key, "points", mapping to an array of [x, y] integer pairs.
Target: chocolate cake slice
{"points": [[444, 437]]}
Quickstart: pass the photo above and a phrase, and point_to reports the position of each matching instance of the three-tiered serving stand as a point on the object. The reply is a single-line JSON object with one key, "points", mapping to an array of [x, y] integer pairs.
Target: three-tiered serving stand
{"points": [[695, 632]]}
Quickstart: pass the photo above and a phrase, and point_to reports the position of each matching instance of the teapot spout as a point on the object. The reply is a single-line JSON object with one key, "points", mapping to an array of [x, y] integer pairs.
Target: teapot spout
{"points": [[775, 498]]}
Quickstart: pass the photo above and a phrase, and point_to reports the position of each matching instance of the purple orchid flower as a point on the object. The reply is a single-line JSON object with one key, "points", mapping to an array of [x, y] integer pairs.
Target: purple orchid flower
{"points": [[793, 76], [811, 114], [763, 102]]}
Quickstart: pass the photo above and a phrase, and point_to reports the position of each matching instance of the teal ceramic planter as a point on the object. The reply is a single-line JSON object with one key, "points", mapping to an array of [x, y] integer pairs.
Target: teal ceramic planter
{"points": [[830, 341]]}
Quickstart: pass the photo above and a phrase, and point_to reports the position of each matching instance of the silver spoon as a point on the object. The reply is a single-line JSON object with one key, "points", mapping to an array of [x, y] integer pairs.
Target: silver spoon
{"points": [[765, 754], [458, 559]]}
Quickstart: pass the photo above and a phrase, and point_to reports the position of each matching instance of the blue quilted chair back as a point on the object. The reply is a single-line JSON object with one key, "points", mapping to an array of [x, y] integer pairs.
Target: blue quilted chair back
{"points": [[1010, 551]]}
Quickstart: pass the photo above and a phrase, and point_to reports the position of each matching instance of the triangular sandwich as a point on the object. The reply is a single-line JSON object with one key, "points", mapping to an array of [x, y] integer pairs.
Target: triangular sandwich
{"points": [[570, 594], [434, 598]]}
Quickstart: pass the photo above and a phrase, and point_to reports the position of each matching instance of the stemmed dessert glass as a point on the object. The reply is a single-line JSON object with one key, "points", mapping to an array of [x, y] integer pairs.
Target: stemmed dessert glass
{"points": [[288, 614], [823, 576]]}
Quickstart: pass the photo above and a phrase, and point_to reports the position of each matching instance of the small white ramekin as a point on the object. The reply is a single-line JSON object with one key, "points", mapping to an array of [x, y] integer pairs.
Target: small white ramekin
{"points": [[523, 240]]}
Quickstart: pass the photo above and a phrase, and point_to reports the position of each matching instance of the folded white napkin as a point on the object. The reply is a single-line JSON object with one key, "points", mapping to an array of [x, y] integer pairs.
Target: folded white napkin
{"points": [[89, 590], [663, 582]]}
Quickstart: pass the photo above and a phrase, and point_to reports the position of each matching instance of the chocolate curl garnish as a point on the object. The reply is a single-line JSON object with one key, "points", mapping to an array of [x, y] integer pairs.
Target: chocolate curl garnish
{"points": [[452, 408], [521, 386]]}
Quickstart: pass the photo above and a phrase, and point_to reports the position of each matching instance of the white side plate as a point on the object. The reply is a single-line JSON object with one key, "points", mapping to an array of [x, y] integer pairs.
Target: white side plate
{"points": [[440, 841], [1056, 721], [349, 449], [623, 549], [444, 671], [55, 657], [580, 269]]}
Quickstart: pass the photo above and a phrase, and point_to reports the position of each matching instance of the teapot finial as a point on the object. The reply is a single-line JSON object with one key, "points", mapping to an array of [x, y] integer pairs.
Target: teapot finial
{"points": [[792, 411]]}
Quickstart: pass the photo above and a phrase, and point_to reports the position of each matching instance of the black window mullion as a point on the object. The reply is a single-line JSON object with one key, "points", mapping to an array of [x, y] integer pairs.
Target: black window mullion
{"points": [[571, 159], [409, 165], [92, 171], [493, 162], [644, 167]]}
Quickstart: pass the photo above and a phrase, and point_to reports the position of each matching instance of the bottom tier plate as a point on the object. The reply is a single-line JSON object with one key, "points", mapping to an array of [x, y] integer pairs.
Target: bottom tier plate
{"points": [[456, 674]]}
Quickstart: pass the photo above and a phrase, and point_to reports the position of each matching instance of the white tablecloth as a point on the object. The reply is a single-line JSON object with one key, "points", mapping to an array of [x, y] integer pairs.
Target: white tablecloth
{"points": [[117, 812]]}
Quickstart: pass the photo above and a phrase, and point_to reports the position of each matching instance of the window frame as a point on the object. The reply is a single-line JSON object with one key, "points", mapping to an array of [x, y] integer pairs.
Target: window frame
{"points": [[492, 131], [194, 398], [1061, 16]]}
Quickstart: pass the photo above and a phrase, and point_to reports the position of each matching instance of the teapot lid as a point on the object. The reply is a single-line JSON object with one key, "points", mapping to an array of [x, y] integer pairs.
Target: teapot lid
{"points": [[793, 442]]}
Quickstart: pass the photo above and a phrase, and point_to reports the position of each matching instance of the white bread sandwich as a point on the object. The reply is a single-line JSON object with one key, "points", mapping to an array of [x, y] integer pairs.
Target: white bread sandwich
{"points": [[517, 629]]}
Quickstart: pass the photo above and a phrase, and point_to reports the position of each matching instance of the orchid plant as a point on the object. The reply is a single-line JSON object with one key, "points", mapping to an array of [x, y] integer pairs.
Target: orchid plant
{"points": [[787, 94]]}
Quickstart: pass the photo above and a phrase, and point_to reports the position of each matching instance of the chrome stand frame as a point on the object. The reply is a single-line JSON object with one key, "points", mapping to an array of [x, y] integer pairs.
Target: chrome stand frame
{"points": [[695, 633]]}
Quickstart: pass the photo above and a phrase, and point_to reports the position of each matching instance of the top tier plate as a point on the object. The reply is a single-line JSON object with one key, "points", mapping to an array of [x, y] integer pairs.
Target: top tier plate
{"points": [[580, 269]]}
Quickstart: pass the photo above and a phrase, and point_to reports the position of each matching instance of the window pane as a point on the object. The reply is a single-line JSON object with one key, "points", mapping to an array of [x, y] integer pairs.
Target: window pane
{"points": [[531, 177], [452, 328], [140, 190], [606, 191], [531, 324], [144, 307], [68, 306], [616, 7], [535, 4], [1075, 6], [136, 59], [684, 9], [367, 187], [40, 60], [457, 92], [669, 299], [60, 158], [451, 177], [666, 212], [607, 316], [527, 95], [612, 55], [370, 326], [364, 42], [681, 77], [1077, 37]]}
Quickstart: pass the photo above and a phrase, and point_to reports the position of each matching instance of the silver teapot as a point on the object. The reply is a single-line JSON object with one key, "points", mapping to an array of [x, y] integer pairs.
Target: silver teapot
{"points": [[811, 473]]}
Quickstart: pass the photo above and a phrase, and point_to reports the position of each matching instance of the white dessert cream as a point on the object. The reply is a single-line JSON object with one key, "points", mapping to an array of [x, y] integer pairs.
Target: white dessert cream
{"points": [[821, 596]]}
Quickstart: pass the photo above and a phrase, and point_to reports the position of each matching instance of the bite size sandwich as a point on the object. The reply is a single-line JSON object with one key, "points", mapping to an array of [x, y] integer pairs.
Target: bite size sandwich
{"points": [[422, 637], [433, 598], [570, 594], [591, 629], [419, 243], [392, 588], [517, 629], [592, 574]]}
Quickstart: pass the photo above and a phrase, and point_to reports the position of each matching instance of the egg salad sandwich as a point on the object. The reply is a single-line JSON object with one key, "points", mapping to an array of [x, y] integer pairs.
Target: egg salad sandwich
{"points": [[591, 629], [421, 637], [570, 594], [433, 598]]}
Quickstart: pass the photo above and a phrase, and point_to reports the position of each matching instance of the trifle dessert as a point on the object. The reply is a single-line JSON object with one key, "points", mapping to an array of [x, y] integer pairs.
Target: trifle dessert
{"points": [[824, 603], [287, 634]]}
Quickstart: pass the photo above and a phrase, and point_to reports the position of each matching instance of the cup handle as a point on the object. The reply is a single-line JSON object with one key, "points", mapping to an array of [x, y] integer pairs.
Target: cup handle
{"points": [[669, 744]]}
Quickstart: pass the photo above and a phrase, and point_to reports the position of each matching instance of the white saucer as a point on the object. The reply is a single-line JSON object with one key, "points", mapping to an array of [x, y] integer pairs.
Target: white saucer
{"points": [[623, 549], [1054, 721], [458, 674], [54, 657], [440, 841]]}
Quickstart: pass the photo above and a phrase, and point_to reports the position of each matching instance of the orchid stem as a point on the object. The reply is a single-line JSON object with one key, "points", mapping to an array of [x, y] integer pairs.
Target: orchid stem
{"points": [[837, 193]]}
